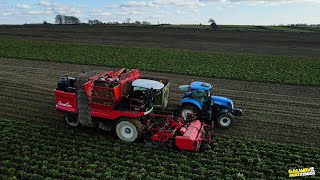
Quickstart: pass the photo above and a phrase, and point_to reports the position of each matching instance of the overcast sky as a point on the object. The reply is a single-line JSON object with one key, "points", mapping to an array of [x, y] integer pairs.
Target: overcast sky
{"points": [[257, 12]]}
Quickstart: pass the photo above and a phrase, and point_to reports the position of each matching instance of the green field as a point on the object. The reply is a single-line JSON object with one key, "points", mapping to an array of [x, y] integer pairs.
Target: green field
{"points": [[35, 144], [31, 150], [277, 69]]}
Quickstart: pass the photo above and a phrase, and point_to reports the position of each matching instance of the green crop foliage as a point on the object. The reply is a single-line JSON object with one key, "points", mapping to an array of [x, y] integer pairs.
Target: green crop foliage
{"points": [[277, 69], [32, 150]]}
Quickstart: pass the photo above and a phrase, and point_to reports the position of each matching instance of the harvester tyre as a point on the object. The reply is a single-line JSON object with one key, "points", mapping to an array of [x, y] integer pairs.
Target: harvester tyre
{"points": [[72, 120], [225, 120], [205, 147], [189, 108], [129, 130]]}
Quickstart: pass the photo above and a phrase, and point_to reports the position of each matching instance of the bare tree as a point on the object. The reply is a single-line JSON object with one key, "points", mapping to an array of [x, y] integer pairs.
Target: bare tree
{"points": [[96, 21], [146, 23], [213, 24], [127, 21]]}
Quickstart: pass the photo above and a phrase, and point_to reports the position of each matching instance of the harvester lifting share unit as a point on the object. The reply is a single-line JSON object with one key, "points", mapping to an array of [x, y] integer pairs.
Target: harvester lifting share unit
{"points": [[125, 102]]}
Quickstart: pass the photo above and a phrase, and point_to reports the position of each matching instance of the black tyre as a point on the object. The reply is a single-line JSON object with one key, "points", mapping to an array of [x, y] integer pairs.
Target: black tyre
{"points": [[72, 120], [205, 147], [225, 120], [129, 130], [189, 112]]}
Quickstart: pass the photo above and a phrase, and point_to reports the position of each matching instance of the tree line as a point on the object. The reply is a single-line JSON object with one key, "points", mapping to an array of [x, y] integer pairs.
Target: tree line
{"points": [[62, 19]]}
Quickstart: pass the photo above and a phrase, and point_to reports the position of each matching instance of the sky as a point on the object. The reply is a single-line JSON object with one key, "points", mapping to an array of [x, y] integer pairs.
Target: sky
{"points": [[237, 12]]}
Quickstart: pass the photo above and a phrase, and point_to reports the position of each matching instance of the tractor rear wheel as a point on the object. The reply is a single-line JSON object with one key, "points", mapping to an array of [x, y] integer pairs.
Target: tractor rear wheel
{"points": [[72, 119], [189, 112], [225, 120], [129, 130]]}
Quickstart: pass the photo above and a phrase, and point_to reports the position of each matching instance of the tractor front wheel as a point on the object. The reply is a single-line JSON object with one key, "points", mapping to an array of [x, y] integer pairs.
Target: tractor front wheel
{"points": [[72, 119], [225, 120], [129, 130]]}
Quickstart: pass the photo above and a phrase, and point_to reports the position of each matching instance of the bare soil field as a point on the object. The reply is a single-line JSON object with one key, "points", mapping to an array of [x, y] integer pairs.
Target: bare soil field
{"points": [[272, 112], [244, 42]]}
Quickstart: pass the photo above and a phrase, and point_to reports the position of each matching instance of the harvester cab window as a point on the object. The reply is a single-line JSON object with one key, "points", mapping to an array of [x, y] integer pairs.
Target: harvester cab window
{"points": [[139, 89], [140, 93]]}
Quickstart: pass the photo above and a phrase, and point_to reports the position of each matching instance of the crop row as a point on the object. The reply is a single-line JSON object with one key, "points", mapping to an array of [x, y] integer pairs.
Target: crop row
{"points": [[34, 144], [33, 150], [279, 69]]}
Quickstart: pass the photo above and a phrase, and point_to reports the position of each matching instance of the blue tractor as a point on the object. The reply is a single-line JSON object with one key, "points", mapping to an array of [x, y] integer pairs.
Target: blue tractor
{"points": [[199, 103]]}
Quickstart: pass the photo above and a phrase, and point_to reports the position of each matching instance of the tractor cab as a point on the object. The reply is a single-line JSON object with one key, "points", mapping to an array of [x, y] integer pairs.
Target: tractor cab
{"points": [[201, 92], [199, 103], [198, 93]]}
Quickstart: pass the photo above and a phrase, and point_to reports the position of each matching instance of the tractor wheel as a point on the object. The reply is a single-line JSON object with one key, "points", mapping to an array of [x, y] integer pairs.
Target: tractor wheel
{"points": [[189, 112], [225, 120], [129, 130], [72, 120]]}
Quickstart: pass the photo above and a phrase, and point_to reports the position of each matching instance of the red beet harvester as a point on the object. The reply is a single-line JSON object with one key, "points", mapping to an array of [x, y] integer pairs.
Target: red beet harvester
{"points": [[126, 103]]}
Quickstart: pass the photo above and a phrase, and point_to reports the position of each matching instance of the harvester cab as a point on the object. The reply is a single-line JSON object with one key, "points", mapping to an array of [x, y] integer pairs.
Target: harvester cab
{"points": [[199, 103], [145, 92]]}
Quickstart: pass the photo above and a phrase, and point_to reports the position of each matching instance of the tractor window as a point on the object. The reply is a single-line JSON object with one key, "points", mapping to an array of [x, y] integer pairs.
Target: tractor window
{"points": [[200, 95]]}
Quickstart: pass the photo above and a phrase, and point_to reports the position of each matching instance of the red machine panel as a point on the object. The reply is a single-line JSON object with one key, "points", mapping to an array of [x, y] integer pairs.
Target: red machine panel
{"points": [[66, 101], [106, 91], [191, 138]]}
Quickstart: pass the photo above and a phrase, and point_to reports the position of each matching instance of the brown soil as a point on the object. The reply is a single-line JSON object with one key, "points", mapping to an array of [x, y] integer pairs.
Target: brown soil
{"points": [[247, 42], [272, 112]]}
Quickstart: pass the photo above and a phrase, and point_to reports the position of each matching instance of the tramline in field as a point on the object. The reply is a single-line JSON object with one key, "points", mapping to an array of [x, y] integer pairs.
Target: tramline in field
{"points": [[130, 105]]}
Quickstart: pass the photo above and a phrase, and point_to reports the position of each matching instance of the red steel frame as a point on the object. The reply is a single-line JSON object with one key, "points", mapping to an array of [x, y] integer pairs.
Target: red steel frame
{"points": [[66, 101], [191, 134]]}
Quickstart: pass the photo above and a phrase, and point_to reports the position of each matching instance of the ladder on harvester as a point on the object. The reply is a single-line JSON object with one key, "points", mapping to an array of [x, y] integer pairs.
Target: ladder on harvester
{"points": [[84, 115]]}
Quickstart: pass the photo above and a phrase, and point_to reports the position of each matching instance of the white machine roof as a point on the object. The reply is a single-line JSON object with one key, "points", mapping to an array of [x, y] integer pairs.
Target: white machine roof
{"points": [[148, 84]]}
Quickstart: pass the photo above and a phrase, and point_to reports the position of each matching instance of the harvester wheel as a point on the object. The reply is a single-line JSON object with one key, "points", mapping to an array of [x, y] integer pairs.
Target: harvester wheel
{"points": [[225, 120], [205, 147], [72, 120], [189, 112], [129, 130]]}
